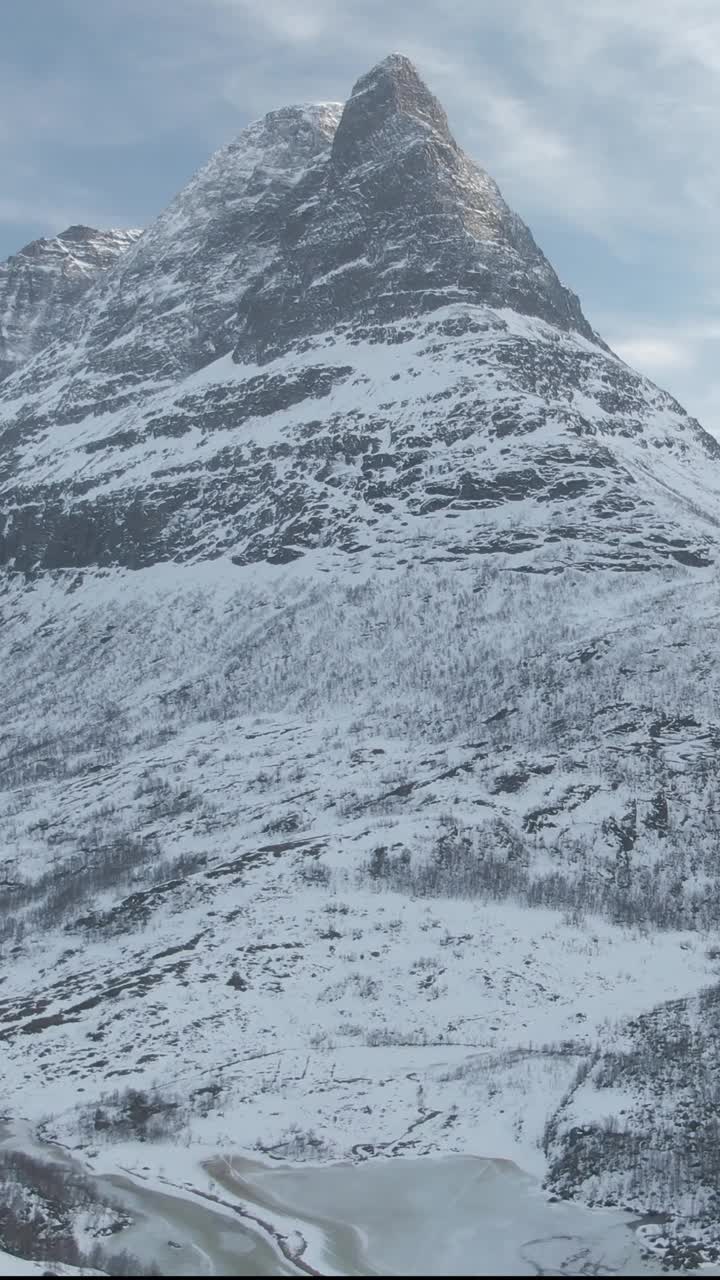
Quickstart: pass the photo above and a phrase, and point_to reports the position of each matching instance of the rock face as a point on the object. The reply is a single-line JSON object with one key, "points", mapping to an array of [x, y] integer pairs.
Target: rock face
{"points": [[351, 275], [352, 588], [397, 223], [41, 285]]}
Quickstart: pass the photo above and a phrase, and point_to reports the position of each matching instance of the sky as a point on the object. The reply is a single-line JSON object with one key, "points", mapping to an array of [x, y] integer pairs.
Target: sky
{"points": [[599, 121]]}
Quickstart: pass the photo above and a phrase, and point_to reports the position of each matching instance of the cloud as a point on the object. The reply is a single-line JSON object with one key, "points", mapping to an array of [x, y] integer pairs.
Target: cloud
{"points": [[36, 214], [656, 355], [285, 19], [39, 215]]}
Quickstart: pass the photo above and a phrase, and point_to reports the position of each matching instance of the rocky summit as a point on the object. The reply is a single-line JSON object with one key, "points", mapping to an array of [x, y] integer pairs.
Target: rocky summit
{"points": [[352, 277], [361, 705], [42, 284]]}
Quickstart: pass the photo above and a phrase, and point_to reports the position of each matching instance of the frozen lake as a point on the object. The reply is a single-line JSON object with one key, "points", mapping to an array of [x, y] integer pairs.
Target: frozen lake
{"points": [[455, 1215]]}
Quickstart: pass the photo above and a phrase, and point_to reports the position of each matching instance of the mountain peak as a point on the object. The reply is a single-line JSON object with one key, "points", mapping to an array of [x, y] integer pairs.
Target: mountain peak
{"points": [[390, 97], [395, 69], [80, 241], [396, 75], [78, 232], [395, 219]]}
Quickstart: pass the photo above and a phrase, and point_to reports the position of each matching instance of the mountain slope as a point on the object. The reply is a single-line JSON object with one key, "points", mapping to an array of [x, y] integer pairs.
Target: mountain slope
{"points": [[41, 285], [443, 369], [358, 625]]}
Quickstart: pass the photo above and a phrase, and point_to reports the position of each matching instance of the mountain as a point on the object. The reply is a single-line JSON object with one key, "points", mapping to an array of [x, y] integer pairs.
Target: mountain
{"points": [[361, 720], [357, 274], [42, 284]]}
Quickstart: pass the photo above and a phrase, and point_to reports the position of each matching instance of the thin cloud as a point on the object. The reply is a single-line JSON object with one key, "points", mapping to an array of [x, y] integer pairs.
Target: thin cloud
{"points": [[655, 355], [47, 219]]}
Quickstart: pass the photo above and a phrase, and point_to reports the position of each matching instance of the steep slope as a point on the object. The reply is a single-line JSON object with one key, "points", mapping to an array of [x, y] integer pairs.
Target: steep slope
{"points": [[40, 286], [168, 307], [398, 222], [341, 764], [336, 332]]}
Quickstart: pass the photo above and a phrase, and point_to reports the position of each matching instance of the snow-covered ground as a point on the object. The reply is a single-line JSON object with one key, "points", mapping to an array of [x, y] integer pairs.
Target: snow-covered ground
{"points": [[235, 947], [361, 708], [10, 1265]]}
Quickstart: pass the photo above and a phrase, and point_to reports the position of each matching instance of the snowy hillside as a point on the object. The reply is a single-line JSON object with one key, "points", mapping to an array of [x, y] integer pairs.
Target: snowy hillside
{"points": [[359, 617]]}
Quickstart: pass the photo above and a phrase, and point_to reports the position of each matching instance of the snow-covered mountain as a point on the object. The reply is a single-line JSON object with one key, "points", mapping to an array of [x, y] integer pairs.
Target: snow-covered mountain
{"points": [[42, 284], [361, 702], [339, 333]]}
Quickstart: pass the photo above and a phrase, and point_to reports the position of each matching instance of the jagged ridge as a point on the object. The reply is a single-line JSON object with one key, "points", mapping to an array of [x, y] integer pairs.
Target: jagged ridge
{"points": [[352, 276], [42, 284]]}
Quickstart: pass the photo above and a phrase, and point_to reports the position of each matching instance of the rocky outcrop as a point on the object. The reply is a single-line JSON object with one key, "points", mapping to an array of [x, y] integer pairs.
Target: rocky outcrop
{"points": [[41, 285]]}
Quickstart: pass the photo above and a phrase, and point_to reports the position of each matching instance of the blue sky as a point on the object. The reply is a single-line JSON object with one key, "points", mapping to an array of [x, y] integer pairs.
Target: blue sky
{"points": [[598, 120]]}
